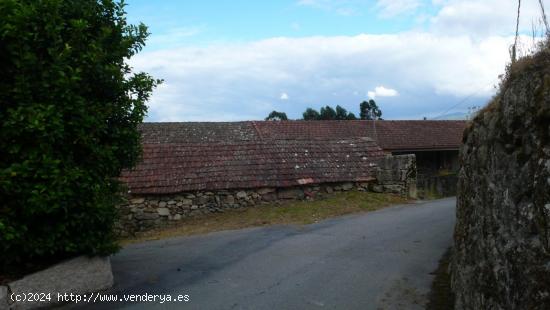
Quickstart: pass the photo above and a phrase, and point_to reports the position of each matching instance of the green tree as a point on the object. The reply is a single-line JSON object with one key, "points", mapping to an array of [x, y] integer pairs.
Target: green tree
{"points": [[276, 116], [369, 110], [327, 113], [69, 111], [351, 117], [311, 115], [342, 114]]}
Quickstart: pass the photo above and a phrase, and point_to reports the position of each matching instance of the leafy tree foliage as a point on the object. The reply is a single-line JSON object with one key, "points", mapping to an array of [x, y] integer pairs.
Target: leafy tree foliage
{"points": [[311, 115], [351, 117], [328, 113], [369, 110], [342, 114], [69, 111], [276, 116]]}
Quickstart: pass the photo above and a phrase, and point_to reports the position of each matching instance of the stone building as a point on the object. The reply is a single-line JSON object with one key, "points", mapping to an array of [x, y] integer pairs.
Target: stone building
{"points": [[203, 167], [434, 143]]}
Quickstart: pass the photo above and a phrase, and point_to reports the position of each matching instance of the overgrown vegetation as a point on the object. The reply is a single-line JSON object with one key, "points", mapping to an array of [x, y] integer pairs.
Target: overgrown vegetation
{"points": [[539, 59], [69, 111], [292, 212]]}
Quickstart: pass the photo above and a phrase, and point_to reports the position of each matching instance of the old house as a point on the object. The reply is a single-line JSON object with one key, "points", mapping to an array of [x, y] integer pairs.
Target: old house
{"points": [[434, 143], [202, 167]]}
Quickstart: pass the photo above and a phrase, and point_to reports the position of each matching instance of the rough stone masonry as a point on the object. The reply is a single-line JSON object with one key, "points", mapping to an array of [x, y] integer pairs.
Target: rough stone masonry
{"points": [[394, 174], [502, 243]]}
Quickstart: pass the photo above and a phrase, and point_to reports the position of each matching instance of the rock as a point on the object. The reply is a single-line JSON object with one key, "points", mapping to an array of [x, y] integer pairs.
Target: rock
{"points": [[194, 207], [186, 202], [269, 197], [171, 202], [229, 199], [136, 201], [190, 196], [293, 193], [329, 189], [241, 195], [377, 188], [266, 190], [394, 189], [163, 211], [162, 204], [347, 186], [203, 200], [146, 216], [177, 217], [79, 275]]}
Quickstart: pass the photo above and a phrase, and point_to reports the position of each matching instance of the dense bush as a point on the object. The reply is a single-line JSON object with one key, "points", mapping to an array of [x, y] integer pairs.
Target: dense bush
{"points": [[69, 111]]}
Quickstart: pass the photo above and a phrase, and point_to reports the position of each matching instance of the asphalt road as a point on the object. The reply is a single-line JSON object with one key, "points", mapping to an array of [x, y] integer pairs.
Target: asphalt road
{"points": [[376, 260]]}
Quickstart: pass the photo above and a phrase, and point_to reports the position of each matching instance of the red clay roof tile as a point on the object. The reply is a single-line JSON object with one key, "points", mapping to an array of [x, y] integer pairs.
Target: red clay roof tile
{"points": [[179, 157]]}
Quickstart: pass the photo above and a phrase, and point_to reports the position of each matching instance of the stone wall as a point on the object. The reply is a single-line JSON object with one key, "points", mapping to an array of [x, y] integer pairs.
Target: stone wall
{"points": [[502, 246], [396, 174]]}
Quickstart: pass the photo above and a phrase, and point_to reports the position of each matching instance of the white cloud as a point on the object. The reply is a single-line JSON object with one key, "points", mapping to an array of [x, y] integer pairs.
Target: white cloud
{"points": [[391, 8], [284, 96], [236, 82], [381, 91], [484, 18]]}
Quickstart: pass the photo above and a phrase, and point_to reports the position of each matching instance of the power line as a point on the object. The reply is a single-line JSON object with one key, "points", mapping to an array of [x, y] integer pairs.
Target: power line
{"points": [[461, 101]]}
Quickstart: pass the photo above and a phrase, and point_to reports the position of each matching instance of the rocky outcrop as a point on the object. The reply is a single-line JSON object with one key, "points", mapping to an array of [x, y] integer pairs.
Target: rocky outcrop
{"points": [[502, 243]]}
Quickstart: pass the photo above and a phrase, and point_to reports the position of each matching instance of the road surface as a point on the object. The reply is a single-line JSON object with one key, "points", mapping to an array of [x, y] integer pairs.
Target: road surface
{"points": [[376, 260]]}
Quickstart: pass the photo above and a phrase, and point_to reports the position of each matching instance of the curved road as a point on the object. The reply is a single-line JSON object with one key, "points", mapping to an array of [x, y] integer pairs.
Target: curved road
{"points": [[376, 260]]}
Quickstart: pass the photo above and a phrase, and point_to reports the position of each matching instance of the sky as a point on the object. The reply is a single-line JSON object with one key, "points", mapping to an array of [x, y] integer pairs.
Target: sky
{"points": [[239, 60]]}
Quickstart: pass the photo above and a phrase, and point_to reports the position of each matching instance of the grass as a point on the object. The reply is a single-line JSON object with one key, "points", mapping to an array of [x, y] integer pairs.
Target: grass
{"points": [[292, 212]]}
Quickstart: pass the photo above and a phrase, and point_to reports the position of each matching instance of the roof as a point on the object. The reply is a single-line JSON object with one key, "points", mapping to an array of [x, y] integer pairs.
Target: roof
{"points": [[390, 135], [191, 156]]}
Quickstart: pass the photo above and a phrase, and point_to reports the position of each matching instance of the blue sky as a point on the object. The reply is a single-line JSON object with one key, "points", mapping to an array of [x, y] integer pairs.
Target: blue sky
{"points": [[239, 60]]}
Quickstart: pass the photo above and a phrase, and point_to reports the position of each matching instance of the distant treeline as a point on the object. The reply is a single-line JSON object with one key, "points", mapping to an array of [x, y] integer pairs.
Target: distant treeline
{"points": [[368, 110]]}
